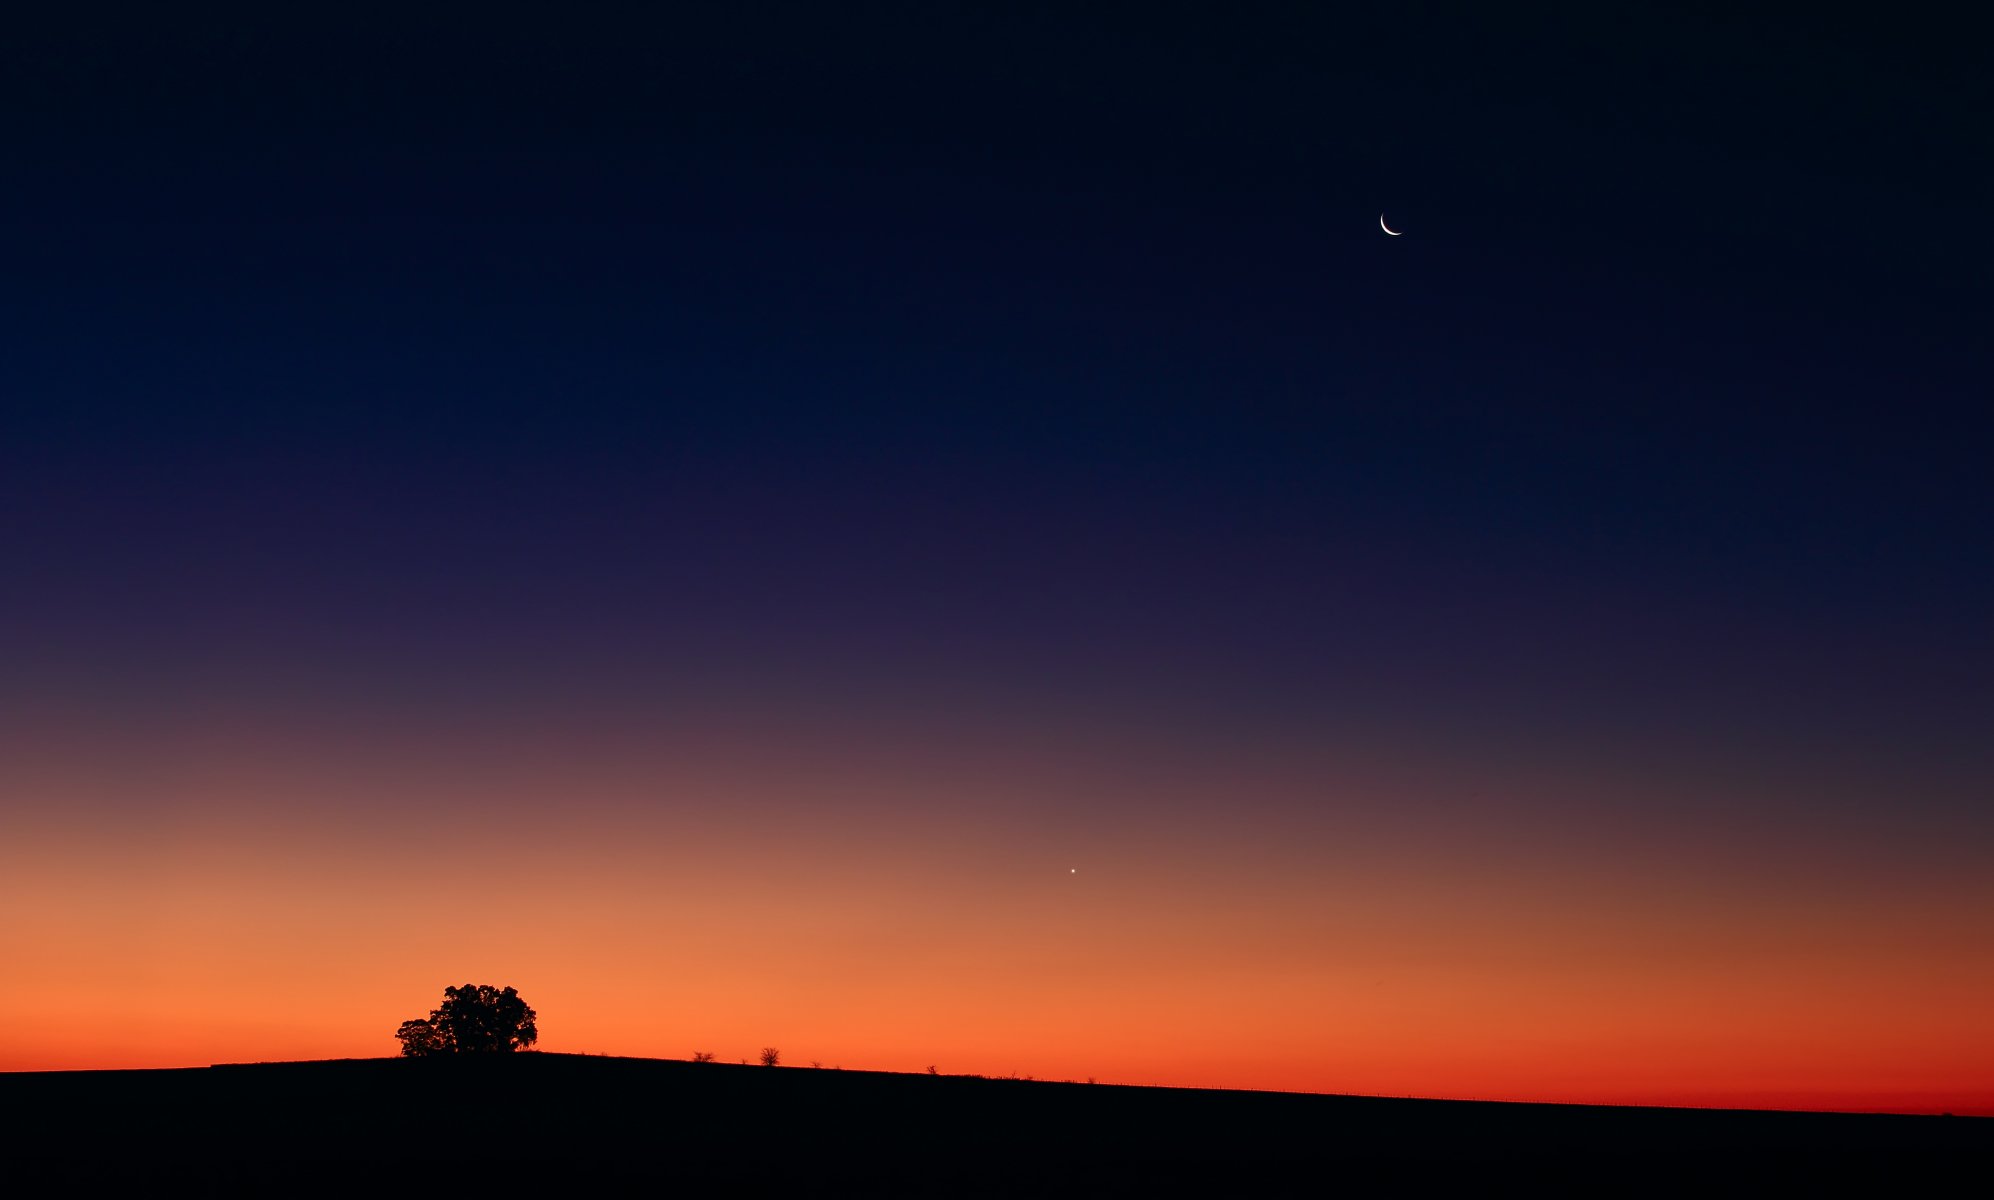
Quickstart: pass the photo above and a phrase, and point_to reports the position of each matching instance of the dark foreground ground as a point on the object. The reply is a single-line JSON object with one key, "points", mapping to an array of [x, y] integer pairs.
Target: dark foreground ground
{"points": [[546, 1121]]}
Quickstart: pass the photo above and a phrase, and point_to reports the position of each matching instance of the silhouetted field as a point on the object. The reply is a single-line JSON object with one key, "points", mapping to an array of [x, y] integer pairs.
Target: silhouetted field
{"points": [[548, 1120]]}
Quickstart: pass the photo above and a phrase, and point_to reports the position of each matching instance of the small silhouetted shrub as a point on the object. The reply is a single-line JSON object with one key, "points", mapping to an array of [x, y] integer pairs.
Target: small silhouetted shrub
{"points": [[770, 1056], [702, 1056]]}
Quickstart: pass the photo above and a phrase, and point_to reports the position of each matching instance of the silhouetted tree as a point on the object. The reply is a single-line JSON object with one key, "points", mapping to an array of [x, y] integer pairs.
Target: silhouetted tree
{"points": [[770, 1056], [421, 1039], [473, 1019]]}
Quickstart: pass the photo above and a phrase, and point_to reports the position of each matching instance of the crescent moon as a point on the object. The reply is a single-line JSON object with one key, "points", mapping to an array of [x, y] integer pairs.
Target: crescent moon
{"points": [[1388, 228]]}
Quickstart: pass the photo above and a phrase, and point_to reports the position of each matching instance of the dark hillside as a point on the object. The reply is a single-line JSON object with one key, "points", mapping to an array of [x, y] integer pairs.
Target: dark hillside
{"points": [[546, 1119]]}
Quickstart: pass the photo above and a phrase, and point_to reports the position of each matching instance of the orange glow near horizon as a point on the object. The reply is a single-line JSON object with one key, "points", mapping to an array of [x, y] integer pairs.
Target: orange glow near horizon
{"points": [[1388, 941]]}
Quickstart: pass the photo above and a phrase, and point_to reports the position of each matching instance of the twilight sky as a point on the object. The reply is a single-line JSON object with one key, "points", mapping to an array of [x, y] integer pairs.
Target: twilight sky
{"points": [[940, 539]]}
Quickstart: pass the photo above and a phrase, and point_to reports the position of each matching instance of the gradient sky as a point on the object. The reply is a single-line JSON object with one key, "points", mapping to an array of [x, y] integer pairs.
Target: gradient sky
{"points": [[928, 539]]}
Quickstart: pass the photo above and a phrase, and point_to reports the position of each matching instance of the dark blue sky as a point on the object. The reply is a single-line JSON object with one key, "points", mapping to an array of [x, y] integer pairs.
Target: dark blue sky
{"points": [[1023, 362]]}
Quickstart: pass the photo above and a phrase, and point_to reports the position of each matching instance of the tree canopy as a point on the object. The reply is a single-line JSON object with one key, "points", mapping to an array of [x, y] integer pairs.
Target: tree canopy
{"points": [[473, 1019]]}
